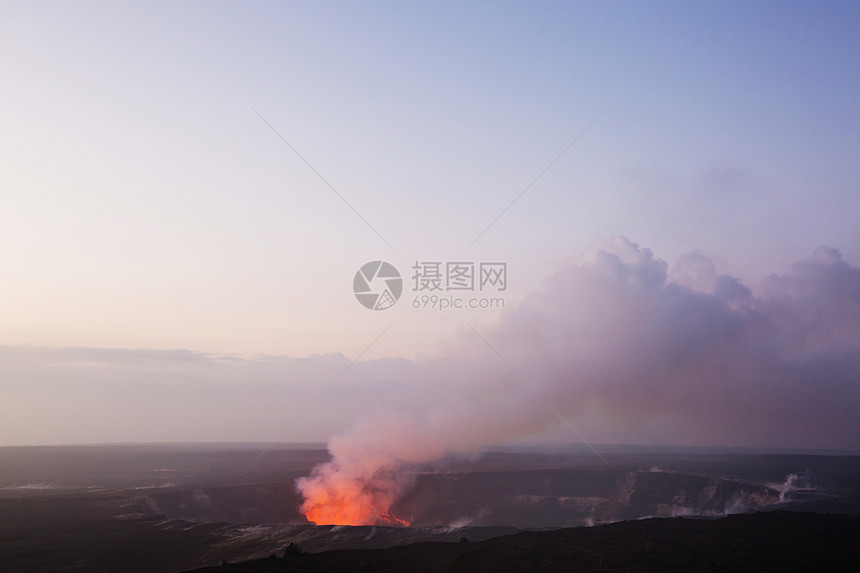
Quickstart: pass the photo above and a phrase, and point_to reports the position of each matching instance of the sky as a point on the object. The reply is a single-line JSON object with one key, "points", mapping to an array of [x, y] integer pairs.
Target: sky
{"points": [[188, 189]]}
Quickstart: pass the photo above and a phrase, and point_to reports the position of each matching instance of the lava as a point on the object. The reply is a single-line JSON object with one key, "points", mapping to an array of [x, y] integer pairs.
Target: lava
{"points": [[332, 498], [345, 514]]}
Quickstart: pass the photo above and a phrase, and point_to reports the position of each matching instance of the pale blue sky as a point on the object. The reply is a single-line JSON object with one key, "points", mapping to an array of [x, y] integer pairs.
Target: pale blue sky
{"points": [[145, 205]]}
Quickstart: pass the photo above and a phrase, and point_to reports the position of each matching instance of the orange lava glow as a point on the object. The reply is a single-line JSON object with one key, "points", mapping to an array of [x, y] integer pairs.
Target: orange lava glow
{"points": [[347, 503], [351, 515]]}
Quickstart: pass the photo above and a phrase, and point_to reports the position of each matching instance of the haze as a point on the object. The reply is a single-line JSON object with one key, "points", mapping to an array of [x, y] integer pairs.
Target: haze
{"points": [[187, 191]]}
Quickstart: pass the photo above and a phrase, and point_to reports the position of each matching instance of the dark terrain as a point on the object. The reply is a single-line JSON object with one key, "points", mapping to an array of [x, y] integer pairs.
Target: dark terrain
{"points": [[168, 508], [767, 541]]}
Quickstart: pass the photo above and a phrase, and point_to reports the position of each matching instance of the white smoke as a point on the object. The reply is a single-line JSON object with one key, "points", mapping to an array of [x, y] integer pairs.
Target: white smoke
{"points": [[641, 353], [803, 481]]}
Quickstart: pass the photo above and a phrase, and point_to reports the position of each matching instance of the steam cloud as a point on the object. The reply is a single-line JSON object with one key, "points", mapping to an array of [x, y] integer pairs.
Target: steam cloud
{"points": [[635, 352]]}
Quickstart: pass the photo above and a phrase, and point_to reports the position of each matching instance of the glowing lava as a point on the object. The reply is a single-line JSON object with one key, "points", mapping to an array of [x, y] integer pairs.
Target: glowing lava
{"points": [[334, 498], [345, 514]]}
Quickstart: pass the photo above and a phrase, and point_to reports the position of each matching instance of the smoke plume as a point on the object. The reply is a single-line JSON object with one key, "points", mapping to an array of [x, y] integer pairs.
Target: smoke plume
{"points": [[630, 351]]}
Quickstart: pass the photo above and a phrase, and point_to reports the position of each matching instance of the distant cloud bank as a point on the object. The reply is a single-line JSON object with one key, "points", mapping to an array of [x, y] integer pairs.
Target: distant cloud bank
{"points": [[625, 347]]}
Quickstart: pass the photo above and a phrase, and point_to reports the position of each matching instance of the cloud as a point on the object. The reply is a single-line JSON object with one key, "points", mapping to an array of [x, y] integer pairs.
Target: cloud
{"points": [[612, 340], [624, 345], [714, 363], [85, 395], [617, 344]]}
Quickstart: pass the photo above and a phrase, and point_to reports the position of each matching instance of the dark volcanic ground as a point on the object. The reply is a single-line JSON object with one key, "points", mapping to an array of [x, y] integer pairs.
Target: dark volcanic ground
{"points": [[769, 541], [169, 508]]}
